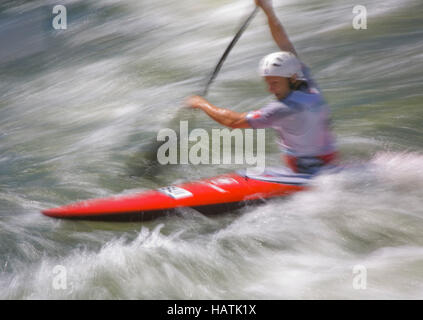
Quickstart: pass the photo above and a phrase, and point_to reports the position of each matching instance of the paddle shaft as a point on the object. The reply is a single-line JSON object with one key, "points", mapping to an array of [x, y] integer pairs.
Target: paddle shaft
{"points": [[228, 49]]}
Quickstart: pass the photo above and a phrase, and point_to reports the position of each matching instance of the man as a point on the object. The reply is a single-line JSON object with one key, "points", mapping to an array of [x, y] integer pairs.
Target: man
{"points": [[300, 114]]}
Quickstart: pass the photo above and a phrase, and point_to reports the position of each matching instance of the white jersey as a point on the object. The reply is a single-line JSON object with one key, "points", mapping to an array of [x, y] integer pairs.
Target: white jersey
{"points": [[301, 119]]}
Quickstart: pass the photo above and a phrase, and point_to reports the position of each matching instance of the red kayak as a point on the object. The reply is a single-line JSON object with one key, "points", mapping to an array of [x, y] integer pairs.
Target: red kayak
{"points": [[218, 194]]}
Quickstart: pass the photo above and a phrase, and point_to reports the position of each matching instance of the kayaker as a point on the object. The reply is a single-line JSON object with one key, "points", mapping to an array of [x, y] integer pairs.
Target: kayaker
{"points": [[300, 114]]}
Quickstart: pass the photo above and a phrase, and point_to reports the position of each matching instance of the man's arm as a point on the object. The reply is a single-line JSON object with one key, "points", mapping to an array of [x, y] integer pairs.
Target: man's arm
{"points": [[225, 117], [276, 28]]}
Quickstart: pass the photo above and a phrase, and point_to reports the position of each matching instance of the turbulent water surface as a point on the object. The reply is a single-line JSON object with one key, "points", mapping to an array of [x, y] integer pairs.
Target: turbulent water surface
{"points": [[79, 107]]}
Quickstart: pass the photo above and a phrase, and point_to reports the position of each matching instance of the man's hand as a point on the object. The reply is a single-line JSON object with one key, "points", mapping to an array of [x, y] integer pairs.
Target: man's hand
{"points": [[266, 5], [225, 117], [195, 102]]}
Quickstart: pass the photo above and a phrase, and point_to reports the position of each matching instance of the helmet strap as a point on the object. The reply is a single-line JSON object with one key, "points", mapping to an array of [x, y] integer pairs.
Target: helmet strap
{"points": [[298, 85]]}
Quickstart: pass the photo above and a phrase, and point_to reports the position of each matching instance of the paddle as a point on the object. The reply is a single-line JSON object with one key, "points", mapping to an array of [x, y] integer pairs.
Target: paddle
{"points": [[228, 49], [150, 158]]}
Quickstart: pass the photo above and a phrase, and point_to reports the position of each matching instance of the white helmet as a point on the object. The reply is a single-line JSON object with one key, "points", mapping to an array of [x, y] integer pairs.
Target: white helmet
{"points": [[281, 64]]}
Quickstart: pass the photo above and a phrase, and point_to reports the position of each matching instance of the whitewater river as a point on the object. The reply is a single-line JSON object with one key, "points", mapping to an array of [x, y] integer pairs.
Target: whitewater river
{"points": [[79, 107]]}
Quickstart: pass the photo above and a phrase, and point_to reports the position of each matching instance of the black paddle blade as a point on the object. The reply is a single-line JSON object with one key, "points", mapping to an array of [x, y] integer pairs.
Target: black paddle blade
{"points": [[144, 163]]}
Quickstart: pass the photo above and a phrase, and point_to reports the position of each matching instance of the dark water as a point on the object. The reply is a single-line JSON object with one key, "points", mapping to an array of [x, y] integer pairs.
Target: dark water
{"points": [[79, 106]]}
